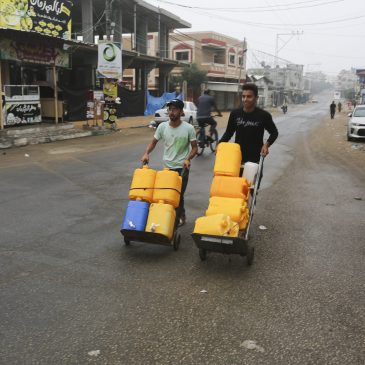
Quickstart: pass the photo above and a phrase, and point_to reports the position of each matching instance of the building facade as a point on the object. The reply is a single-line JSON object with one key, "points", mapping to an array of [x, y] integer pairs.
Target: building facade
{"points": [[287, 83], [222, 57], [63, 56]]}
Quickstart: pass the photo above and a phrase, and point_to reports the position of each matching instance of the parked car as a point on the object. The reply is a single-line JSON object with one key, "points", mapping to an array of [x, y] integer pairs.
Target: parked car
{"points": [[162, 114], [356, 123]]}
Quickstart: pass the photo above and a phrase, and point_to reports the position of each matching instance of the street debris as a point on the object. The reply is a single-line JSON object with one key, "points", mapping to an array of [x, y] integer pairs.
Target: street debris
{"points": [[94, 353], [204, 291], [26, 155], [358, 198], [263, 228], [252, 345]]}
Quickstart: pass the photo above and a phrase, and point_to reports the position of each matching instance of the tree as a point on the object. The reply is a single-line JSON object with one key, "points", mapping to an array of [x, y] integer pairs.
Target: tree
{"points": [[194, 78]]}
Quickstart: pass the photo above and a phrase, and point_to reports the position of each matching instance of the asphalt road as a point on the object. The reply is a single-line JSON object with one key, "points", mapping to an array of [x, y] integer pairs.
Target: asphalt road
{"points": [[72, 293]]}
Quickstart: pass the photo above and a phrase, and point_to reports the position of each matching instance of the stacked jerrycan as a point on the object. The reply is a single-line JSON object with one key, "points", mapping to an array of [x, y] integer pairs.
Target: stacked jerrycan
{"points": [[227, 212], [166, 197], [153, 199]]}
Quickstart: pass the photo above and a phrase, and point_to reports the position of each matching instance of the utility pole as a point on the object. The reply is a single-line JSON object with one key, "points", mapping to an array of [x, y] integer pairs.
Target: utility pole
{"points": [[291, 34], [109, 26], [108, 18], [244, 50]]}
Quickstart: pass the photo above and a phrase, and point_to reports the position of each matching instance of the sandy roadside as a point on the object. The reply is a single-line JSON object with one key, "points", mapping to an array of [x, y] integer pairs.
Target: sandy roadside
{"points": [[330, 139]]}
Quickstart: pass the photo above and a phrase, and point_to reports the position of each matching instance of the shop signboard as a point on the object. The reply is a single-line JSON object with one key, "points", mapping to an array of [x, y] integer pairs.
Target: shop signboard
{"points": [[49, 17], [95, 100], [110, 90], [22, 104], [38, 54], [18, 113], [109, 60]]}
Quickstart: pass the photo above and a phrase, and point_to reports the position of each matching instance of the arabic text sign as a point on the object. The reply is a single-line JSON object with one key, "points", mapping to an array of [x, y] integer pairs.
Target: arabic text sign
{"points": [[49, 17], [109, 60]]}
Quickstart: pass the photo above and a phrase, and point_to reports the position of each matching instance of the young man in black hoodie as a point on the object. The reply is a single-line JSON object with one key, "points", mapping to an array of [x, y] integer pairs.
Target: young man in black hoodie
{"points": [[249, 123]]}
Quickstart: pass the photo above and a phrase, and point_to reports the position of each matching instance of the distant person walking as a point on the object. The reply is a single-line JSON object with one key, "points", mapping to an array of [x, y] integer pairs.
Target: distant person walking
{"points": [[333, 109], [339, 107]]}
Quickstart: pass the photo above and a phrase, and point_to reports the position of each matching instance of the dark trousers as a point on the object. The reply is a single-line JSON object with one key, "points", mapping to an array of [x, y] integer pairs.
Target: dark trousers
{"points": [[202, 122], [180, 210]]}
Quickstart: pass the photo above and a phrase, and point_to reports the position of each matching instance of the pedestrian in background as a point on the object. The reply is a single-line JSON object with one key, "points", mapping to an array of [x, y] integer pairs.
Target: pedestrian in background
{"points": [[339, 107], [332, 109]]}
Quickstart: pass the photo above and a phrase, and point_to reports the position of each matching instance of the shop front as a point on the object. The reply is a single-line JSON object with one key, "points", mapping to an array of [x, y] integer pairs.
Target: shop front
{"points": [[29, 71], [33, 40]]}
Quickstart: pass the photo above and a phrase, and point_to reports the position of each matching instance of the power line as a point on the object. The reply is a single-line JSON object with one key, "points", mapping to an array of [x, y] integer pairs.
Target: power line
{"points": [[259, 8]]}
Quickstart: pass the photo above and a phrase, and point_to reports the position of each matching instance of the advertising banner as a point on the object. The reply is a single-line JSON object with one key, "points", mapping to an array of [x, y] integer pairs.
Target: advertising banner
{"points": [[109, 60], [39, 54], [50, 17], [110, 90], [22, 113]]}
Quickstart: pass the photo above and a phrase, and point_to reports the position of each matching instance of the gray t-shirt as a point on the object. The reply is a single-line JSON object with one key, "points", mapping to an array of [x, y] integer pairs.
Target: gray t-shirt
{"points": [[205, 105], [176, 143]]}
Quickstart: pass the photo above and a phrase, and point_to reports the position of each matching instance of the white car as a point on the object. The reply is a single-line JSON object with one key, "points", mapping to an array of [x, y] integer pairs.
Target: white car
{"points": [[356, 124], [162, 115]]}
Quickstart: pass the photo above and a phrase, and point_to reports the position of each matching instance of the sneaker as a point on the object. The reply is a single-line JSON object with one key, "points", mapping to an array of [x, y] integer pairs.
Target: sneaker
{"points": [[182, 221]]}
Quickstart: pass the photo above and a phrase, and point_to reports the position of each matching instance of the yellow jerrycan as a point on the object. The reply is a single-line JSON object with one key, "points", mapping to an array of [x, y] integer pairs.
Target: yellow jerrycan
{"points": [[216, 225], [228, 159], [230, 187], [167, 187], [142, 184], [161, 219], [244, 221], [234, 207], [234, 230]]}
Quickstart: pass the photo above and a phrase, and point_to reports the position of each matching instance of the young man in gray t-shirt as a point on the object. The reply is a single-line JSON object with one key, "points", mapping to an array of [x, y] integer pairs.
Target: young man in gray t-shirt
{"points": [[180, 147]]}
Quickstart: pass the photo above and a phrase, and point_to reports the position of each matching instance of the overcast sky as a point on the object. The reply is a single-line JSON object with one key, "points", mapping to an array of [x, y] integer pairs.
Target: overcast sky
{"points": [[331, 32]]}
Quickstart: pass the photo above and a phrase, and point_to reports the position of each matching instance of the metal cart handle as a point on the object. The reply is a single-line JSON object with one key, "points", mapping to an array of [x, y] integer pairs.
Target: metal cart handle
{"points": [[253, 200]]}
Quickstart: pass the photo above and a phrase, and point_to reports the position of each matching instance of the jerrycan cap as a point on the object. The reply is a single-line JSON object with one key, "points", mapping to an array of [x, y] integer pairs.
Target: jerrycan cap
{"points": [[145, 167], [224, 224]]}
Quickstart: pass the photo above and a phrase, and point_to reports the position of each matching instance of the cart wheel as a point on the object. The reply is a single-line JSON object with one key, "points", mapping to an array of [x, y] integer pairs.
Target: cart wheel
{"points": [[250, 255], [176, 241], [127, 241], [202, 254]]}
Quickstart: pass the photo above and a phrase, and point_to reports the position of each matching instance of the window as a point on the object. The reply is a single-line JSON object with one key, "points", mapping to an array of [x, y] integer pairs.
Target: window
{"points": [[232, 59], [182, 55], [240, 61]]}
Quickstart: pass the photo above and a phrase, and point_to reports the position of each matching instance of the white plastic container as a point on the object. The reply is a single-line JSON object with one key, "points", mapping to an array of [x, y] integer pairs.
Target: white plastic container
{"points": [[250, 171]]}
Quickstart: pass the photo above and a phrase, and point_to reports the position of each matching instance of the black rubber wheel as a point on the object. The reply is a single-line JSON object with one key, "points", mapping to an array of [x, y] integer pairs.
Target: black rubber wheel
{"points": [[250, 255], [349, 138], [127, 241], [200, 149], [214, 142], [202, 254], [176, 241]]}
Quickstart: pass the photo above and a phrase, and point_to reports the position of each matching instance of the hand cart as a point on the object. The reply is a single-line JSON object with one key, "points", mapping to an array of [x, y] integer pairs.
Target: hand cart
{"points": [[232, 245], [151, 237]]}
